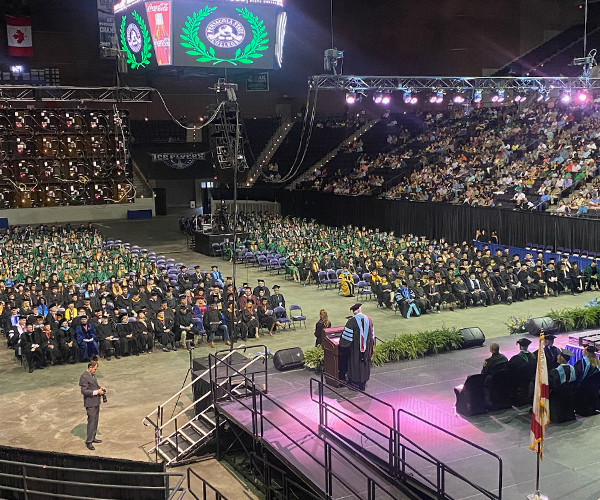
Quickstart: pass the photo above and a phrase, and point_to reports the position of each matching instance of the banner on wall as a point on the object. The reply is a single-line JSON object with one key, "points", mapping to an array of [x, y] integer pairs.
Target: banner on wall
{"points": [[18, 30], [178, 161]]}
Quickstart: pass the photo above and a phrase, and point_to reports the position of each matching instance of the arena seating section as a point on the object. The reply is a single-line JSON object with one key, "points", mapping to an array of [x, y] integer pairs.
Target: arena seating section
{"points": [[53, 157], [156, 131]]}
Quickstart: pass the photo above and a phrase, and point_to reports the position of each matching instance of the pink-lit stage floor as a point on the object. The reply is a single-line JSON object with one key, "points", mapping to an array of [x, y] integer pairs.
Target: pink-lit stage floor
{"points": [[424, 387]]}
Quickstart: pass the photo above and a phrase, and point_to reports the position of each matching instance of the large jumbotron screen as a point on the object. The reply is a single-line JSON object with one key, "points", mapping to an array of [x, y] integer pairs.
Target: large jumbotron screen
{"points": [[245, 34]]}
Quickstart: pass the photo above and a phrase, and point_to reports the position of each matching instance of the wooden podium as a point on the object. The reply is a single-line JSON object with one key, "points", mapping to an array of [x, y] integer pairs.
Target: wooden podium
{"points": [[334, 364]]}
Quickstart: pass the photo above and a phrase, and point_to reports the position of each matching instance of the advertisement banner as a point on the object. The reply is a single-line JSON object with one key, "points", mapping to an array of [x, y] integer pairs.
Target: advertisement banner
{"points": [[159, 17]]}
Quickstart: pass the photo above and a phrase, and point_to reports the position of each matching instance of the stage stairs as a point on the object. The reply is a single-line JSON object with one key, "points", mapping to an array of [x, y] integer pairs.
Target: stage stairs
{"points": [[180, 436]]}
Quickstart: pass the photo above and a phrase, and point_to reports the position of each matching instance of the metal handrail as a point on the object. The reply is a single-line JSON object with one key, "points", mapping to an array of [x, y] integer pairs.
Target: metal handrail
{"points": [[205, 484], [399, 449], [147, 419], [26, 490], [463, 440], [258, 432]]}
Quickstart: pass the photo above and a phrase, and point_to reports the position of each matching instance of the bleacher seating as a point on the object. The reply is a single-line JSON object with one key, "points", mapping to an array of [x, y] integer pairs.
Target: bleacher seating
{"points": [[156, 131]]}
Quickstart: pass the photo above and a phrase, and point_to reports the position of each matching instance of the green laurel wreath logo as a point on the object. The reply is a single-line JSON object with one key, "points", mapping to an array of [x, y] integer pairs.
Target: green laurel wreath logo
{"points": [[251, 51], [146, 54]]}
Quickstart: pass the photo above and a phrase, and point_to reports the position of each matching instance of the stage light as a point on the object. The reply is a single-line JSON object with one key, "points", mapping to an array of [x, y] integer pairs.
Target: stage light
{"points": [[582, 97], [432, 98], [458, 99], [477, 96], [540, 96], [350, 98], [565, 97], [436, 98], [519, 98], [413, 100], [498, 96], [386, 99], [407, 96], [377, 97]]}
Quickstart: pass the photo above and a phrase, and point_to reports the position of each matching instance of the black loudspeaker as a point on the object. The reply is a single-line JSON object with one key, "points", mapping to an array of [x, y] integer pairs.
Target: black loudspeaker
{"points": [[472, 337], [287, 359], [536, 325], [160, 201]]}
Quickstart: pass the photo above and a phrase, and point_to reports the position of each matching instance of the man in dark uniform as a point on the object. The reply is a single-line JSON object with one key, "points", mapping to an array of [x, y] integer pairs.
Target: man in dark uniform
{"points": [[91, 391], [551, 352], [357, 340], [523, 366], [491, 364], [564, 372]]}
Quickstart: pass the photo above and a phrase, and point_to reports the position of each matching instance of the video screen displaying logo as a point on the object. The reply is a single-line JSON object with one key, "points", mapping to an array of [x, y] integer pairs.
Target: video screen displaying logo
{"points": [[202, 34]]}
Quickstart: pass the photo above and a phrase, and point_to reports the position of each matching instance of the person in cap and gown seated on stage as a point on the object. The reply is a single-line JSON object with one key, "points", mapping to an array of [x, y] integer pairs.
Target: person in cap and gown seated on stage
{"points": [[265, 316], [277, 300], [550, 351], [494, 363], [85, 334], [358, 339], [249, 319], [525, 362], [564, 372], [108, 338], [67, 344], [588, 365]]}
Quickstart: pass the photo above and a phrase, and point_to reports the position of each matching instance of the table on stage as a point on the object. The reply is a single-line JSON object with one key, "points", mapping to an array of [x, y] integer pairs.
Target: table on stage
{"points": [[335, 363], [204, 241]]}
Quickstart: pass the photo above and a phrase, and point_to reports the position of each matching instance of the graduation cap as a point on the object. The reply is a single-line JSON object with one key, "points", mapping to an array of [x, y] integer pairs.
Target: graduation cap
{"points": [[356, 306], [214, 267], [565, 353], [549, 336], [591, 348], [524, 342], [260, 280]]}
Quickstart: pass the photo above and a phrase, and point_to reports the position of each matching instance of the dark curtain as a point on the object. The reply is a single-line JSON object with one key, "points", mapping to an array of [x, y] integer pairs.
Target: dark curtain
{"points": [[456, 223], [93, 463]]}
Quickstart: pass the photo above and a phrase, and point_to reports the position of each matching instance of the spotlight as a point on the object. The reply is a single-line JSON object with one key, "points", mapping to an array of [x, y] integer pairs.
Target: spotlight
{"points": [[458, 99], [519, 98], [498, 96], [477, 96], [350, 98], [540, 96], [407, 96], [582, 97], [377, 97], [436, 98], [386, 99], [413, 100], [433, 99], [565, 97]]}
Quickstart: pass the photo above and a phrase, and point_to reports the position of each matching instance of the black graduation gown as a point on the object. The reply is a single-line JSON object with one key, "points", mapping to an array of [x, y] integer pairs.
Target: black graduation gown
{"points": [[551, 353], [68, 353], [129, 345], [359, 362]]}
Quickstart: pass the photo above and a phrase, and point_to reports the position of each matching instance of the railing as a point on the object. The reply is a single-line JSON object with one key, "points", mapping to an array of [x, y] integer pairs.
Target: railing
{"points": [[207, 488], [259, 418], [399, 451], [176, 492]]}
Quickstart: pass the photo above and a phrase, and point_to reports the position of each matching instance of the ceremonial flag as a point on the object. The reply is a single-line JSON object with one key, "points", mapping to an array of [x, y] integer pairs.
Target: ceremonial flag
{"points": [[18, 30], [540, 418]]}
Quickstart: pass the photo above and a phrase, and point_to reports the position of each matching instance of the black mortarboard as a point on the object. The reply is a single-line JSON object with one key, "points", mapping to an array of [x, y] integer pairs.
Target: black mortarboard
{"points": [[355, 307], [524, 342], [591, 348], [549, 336], [565, 353]]}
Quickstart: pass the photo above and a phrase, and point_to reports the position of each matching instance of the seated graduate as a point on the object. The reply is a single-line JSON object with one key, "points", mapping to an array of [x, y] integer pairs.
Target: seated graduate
{"points": [[265, 316], [564, 372], [495, 362], [108, 338], [214, 323], [386, 292], [49, 345], [551, 352], [30, 343], [183, 325], [250, 320], [405, 301], [523, 364], [233, 320], [67, 344], [129, 343], [145, 332], [85, 335], [588, 365], [163, 330]]}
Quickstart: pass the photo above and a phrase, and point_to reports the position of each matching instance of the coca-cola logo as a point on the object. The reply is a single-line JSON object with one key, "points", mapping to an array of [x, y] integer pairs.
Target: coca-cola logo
{"points": [[158, 7], [165, 42]]}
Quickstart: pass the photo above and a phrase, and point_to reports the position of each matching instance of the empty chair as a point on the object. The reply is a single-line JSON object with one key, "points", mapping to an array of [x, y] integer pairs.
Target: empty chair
{"points": [[171, 261], [364, 289], [528, 246], [560, 250], [322, 280], [263, 263], [576, 252], [249, 259], [297, 316], [274, 265], [216, 250], [501, 390], [332, 277], [366, 276]]}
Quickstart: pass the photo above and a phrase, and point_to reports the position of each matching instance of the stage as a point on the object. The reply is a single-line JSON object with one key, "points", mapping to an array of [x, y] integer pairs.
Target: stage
{"points": [[204, 241], [424, 387]]}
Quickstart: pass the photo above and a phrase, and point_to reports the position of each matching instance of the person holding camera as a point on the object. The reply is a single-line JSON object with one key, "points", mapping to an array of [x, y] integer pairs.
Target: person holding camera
{"points": [[92, 391]]}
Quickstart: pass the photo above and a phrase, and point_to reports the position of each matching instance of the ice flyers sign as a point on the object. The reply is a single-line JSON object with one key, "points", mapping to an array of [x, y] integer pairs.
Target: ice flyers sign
{"points": [[228, 41]]}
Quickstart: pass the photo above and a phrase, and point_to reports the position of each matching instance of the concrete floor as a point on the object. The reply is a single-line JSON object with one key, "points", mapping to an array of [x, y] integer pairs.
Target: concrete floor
{"points": [[44, 410]]}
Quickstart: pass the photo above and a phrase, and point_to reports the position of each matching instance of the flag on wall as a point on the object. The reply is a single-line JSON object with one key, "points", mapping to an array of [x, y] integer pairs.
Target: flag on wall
{"points": [[540, 418], [18, 30]]}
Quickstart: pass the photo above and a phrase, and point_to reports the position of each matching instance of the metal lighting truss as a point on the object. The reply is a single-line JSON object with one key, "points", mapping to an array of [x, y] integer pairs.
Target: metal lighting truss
{"points": [[351, 83], [82, 94]]}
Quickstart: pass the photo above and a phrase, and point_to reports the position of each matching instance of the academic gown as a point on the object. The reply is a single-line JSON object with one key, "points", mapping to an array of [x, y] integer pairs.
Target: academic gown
{"points": [[551, 353], [88, 349], [358, 339]]}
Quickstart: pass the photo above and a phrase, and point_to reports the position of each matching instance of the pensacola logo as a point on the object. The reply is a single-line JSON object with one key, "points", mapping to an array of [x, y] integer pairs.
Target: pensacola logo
{"points": [[134, 37], [225, 32]]}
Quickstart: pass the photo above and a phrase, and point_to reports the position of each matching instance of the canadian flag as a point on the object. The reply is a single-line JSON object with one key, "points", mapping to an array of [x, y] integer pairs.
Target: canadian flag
{"points": [[18, 30]]}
